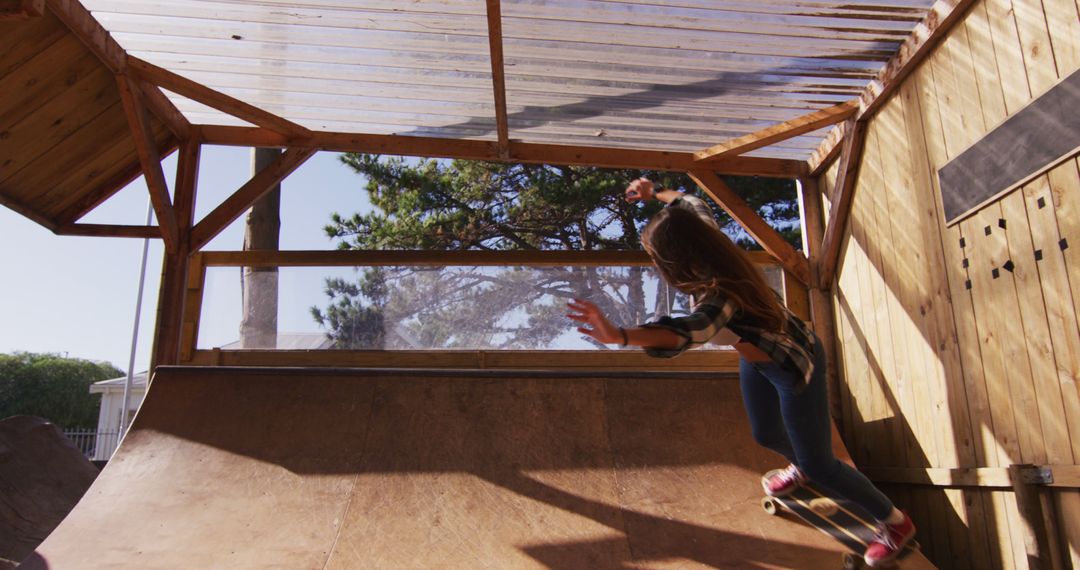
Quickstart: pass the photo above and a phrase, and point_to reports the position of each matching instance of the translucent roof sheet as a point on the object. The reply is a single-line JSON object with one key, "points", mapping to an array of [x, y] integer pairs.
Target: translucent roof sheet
{"points": [[646, 74]]}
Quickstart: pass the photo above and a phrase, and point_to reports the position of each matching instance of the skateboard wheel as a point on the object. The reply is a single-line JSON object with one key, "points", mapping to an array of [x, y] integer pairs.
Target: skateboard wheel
{"points": [[770, 506], [852, 561]]}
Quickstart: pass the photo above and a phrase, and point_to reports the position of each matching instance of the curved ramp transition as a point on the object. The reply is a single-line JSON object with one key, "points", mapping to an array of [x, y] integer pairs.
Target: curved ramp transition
{"points": [[303, 468]]}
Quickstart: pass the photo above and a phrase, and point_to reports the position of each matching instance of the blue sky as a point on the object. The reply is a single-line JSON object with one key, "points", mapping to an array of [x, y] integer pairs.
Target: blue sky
{"points": [[76, 295]]}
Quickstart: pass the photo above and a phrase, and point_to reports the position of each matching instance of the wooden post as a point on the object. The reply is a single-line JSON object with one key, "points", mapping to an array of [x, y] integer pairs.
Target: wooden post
{"points": [[262, 231], [812, 211], [842, 196], [170, 314], [172, 294], [1035, 527]]}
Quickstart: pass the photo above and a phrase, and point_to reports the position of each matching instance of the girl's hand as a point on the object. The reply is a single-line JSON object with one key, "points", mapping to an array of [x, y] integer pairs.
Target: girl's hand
{"points": [[596, 324], [640, 190]]}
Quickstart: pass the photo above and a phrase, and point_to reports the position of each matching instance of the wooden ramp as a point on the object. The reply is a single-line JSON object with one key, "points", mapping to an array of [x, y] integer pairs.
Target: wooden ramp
{"points": [[302, 468]]}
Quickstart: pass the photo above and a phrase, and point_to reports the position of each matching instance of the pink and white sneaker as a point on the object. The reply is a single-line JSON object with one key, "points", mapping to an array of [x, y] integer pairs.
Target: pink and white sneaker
{"points": [[782, 482], [888, 542]]}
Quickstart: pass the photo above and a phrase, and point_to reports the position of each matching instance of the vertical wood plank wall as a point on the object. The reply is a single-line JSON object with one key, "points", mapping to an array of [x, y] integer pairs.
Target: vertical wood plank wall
{"points": [[945, 364]]}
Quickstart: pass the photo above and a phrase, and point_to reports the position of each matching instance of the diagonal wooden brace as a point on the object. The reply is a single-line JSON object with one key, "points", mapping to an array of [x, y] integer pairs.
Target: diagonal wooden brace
{"points": [[766, 236]]}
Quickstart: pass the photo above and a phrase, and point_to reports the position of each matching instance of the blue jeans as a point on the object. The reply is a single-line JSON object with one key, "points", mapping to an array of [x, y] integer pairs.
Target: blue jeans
{"points": [[796, 424]]}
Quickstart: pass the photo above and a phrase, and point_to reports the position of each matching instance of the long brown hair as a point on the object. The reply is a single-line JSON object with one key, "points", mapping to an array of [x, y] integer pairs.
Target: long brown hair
{"points": [[697, 258]]}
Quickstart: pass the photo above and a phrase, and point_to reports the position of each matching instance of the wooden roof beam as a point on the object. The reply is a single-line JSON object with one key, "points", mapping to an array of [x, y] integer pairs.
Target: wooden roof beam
{"points": [[842, 195], [90, 32], [248, 194], [109, 230], [498, 76], [780, 132], [759, 229], [519, 152], [181, 85], [941, 18], [165, 111], [31, 213], [150, 160]]}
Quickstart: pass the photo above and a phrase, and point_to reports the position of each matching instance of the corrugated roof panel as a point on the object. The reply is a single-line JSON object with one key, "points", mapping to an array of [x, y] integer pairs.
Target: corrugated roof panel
{"points": [[685, 75], [647, 74], [385, 67]]}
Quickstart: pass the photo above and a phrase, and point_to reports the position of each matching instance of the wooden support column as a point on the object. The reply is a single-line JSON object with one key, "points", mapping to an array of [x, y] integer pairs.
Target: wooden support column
{"points": [[812, 212], [771, 240], [1037, 514], [170, 313], [173, 292], [842, 195]]}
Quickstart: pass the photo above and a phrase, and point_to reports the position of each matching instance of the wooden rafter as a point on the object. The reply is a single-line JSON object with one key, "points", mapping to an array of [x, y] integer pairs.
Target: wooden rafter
{"points": [[79, 20], [109, 230], [242, 199], [842, 195], [103, 191], [150, 160], [30, 213], [498, 75], [737, 208], [783, 131], [827, 151], [164, 110], [943, 15], [181, 85], [519, 152]]}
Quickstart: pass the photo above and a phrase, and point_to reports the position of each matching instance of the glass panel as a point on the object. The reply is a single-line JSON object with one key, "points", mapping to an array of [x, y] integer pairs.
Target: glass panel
{"points": [[423, 308]]}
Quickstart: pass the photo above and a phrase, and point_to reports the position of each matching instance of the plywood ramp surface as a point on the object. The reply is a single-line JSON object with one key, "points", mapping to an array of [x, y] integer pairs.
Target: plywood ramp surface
{"points": [[248, 468]]}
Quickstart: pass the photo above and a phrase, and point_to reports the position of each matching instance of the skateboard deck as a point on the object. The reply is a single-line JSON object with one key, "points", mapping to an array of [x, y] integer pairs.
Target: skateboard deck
{"points": [[845, 521]]}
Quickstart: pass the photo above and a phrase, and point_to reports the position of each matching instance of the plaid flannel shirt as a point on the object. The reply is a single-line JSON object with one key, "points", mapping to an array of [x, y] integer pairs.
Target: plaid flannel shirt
{"points": [[792, 349]]}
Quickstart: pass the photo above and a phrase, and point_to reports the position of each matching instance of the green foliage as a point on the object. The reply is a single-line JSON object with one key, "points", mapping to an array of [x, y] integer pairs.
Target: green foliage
{"points": [[456, 205], [445, 205], [53, 387]]}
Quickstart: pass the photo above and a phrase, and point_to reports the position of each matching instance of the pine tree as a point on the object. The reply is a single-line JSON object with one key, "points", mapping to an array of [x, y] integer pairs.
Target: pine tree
{"points": [[469, 205]]}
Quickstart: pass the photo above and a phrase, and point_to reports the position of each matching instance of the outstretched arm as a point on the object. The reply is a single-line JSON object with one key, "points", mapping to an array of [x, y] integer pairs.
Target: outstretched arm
{"points": [[643, 190], [596, 325]]}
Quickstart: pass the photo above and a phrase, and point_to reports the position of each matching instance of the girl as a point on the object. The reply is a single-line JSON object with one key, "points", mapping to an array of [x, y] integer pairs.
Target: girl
{"points": [[781, 361]]}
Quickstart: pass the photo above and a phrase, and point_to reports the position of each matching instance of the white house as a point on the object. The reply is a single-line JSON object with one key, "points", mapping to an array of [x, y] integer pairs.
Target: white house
{"points": [[112, 404]]}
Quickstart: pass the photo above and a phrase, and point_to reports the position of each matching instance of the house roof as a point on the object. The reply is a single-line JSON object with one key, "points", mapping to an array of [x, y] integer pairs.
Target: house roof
{"points": [[650, 83], [138, 381]]}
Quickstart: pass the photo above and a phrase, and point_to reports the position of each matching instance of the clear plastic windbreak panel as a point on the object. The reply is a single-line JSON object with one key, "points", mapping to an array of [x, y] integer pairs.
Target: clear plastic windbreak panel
{"points": [[425, 308], [683, 75], [371, 66]]}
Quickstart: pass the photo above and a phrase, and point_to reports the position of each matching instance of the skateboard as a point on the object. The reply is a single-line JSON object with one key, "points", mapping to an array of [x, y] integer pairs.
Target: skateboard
{"points": [[848, 523]]}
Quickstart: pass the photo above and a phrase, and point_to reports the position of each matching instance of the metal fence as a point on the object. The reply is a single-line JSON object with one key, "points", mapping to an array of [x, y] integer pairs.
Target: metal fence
{"points": [[92, 443]]}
